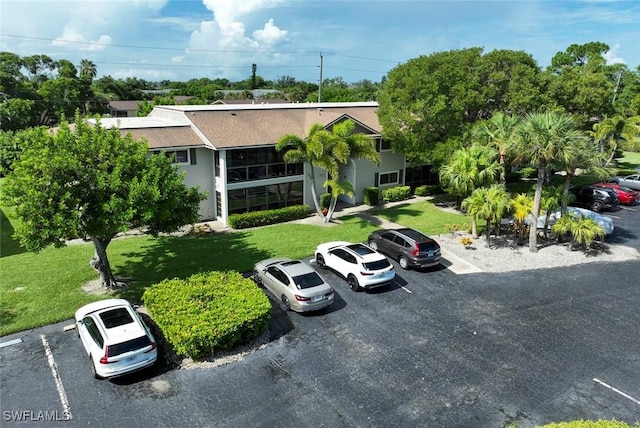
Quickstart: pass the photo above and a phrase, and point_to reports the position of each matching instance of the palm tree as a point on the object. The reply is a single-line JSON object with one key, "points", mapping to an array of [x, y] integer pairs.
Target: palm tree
{"points": [[328, 150], [521, 206], [497, 132], [583, 230], [337, 188], [488, 203], [88, 69], [468, 169], [542, 139], [552, 199], [614, 132]]}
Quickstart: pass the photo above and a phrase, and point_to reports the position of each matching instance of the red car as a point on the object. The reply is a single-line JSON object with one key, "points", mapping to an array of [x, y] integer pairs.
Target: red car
{"points": [[626, 195]]}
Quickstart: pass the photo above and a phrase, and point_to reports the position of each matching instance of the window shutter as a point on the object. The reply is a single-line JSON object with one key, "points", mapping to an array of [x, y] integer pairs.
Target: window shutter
{"points": [[401, 176], [375, 179], [192, 155]]}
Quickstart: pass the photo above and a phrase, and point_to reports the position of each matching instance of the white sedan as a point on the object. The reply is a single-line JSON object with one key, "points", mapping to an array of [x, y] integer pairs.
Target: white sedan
{"points": [[360, 265]]}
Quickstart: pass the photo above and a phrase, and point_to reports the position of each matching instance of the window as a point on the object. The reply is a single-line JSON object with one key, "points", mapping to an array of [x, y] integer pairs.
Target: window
{"points": [[178, 156], [92, 328], [387, 178], [259, 164], [383, 145], [265, 197]]}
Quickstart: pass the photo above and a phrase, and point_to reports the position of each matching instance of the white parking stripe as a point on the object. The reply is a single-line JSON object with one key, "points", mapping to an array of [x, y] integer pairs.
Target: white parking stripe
{"points": [[625, 395], [10, 342], [66, 409]]}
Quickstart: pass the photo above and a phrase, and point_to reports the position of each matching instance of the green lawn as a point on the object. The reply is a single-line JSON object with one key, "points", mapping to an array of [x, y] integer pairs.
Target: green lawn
{"points": [[39, 289]]}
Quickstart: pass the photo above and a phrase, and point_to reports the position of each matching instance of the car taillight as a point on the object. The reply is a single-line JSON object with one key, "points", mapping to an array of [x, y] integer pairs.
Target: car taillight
{"points": [[416, 249], [302, 298], [365, 273], [330, 292], [105, 358]]}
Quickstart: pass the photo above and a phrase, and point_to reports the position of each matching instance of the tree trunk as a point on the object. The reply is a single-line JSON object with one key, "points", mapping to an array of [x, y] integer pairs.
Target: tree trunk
{"points": [[488, 233], [533, 232], [565, 193], [100, 262], [474, 228], [314, 194]]}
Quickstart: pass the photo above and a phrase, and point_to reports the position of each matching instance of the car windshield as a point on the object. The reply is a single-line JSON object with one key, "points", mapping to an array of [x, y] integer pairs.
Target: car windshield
{"points": [[128, 346], [116, 317], [377, 265], [307, 280]]}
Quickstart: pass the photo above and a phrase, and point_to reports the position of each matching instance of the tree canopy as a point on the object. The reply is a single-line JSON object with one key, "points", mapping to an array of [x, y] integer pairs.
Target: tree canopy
{"points": [[87, 181]]}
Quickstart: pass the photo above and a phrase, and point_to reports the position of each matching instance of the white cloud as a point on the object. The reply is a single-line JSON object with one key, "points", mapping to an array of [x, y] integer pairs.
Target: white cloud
{"points": [[612, 57], [270, 34]]}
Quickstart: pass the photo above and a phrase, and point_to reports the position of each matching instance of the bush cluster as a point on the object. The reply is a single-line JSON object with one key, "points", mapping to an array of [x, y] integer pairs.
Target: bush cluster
{"points": [[370, 196], [208, 311], [325, 200], [397, 193], [427, 190], [263, 218], [625, 172]]}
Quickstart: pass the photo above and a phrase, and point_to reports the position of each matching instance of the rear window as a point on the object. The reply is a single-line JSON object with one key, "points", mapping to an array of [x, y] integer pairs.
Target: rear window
{"points": [[128, 346], [428, 246], [377, 265], [307, 280], [116, 317]]}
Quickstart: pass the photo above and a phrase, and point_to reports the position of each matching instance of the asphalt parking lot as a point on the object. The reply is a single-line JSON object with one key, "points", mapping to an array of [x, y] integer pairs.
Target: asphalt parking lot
{"points": [[435, 349]]}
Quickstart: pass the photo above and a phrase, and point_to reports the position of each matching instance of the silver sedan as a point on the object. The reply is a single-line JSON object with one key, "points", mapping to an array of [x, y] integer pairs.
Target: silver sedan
{"points": [[295, 284]]}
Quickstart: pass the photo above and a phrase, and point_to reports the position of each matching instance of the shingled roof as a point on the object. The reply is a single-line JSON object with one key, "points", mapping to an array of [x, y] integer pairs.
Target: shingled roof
{"points": [[226, 126]]}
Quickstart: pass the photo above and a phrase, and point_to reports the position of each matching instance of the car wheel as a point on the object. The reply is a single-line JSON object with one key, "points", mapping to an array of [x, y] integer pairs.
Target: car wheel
{"points": [[284, 302], [404, 263], [256, 277], [93, 368], [320, 261], [596, 206], [353, 283], [373, 245]]}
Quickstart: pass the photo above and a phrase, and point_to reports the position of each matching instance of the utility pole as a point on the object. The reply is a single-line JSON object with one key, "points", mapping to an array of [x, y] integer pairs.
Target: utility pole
{"points": [[320, 85]]}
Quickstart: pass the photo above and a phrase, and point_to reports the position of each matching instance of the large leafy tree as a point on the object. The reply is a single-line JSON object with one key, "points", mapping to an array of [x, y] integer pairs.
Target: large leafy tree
{"points": [[542, 139], [89, 181], [328, 150], [430, 100]]}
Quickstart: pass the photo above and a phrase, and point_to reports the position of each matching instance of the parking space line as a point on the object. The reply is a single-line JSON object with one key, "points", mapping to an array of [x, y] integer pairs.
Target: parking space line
{"points": [[10, 342], [66, 409], [625, 395]]}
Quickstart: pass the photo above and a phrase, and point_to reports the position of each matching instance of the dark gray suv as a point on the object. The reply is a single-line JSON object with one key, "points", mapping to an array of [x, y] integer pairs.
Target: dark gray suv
{"points": [[408, 246]]}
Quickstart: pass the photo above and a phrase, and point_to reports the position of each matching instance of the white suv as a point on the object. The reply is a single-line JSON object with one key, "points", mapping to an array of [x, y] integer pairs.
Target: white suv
{"points": [[115, 337], [362, 267]]}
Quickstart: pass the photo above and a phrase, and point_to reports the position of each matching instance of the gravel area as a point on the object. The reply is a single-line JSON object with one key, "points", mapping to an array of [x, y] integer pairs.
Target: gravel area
{"points": [[505, 255]]}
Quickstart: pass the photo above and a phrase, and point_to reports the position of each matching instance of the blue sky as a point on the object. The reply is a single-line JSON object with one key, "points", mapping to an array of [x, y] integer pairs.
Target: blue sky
{"points": [[358, 39]]}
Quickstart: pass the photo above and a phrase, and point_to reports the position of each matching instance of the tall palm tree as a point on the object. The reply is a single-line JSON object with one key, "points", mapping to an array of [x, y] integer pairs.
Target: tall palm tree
{"points": [[468, 169], [489, 204], [328, 150], [497, 132], [88, 69], [541, 139]]}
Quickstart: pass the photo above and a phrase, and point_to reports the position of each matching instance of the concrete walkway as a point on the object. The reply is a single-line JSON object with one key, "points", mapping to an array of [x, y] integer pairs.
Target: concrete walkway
{"points": [[452, 262]]}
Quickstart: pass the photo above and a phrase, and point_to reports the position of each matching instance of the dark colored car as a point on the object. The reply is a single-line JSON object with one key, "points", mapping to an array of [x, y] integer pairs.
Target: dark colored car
{"points": [[408, 246], [594, 198]]}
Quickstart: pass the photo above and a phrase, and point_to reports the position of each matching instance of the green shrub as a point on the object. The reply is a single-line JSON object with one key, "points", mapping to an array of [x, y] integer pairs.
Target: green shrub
{"points": [[397, 193], [325, 200], [589, 424], [427, 190], [527, 172], [263, 218], [370, 196], [208, 311]]}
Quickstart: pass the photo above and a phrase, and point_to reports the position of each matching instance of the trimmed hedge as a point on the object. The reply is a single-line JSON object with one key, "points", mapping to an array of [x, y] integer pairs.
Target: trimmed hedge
{"points": [[427, 190], [625, 172], [208, 312], [263, 218], [370, 196], [397, 193]]}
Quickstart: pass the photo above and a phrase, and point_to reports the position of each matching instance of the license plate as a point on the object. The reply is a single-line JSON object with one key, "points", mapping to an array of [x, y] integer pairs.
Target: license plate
{"points": [[317, 298]]}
